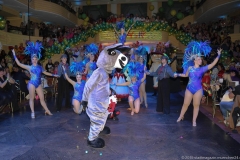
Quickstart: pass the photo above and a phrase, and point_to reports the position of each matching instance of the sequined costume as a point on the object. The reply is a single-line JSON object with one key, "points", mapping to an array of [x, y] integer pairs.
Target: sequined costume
{"points": [[36, 72], [92, 67], [122, 38], [78, 91], [134, 89], [195, 78]]}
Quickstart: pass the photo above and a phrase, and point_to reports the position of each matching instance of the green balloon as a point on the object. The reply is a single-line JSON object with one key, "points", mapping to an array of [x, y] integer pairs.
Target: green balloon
{"points": [[84, 16], [170, 2], [161, 9], [180, 15]]}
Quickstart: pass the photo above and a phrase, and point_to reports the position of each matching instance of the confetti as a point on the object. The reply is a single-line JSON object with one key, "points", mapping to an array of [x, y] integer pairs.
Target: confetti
{"points": [[100, 154], [86, 151], [181, 137], [77, 147], [77, 126]]}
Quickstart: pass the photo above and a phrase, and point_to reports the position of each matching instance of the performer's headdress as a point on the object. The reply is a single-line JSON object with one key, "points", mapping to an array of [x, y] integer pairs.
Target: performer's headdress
{"points": [[77, 68], [132, 69], [92, 49], [120, 25], [195, 49], [141, 52], [34, 50]]}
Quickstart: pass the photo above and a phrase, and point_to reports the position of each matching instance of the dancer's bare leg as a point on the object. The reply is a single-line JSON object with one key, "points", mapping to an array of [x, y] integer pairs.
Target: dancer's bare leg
{"points": [[137, 105], [39, 91], [196, 103], [76, 106], [187, 100], [130, 101], [143, 91], [31, 89]]}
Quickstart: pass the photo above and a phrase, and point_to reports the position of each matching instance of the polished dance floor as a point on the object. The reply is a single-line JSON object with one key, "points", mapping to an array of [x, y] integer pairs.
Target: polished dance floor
{"points": [[146, 136]]}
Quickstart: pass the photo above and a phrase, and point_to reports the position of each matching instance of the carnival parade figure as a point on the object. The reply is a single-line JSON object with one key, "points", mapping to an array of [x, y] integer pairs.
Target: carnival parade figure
{"points": [[141, 65], [123, 34], [36, 71], [134, 86], [191, 65], [77, 69], [97, 90], [92, 50]]}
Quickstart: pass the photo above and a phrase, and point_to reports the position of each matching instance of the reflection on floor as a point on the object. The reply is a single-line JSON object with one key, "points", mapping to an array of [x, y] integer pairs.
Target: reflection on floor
{"points": [[147, 135]]}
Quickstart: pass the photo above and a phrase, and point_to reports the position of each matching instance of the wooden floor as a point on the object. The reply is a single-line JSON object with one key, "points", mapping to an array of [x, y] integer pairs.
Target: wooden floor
{"points": [[146, 136]]}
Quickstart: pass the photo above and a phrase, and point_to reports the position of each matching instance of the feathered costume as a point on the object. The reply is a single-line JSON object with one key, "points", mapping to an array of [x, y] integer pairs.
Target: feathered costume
{"points": [[91, 49], [77, 68], [194, 50], [35, 71], [96, 91], [121, 38]]}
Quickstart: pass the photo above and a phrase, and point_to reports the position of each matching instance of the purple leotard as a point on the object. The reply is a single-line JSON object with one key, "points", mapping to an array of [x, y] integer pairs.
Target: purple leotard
{"points": [[195, 78], [92, 67], [134, 89], [122, 38], [36, 72], [78, 91]]}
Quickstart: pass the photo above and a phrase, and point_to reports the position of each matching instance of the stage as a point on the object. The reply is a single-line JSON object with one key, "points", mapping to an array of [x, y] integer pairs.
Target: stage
{"points": [[147, 136]]}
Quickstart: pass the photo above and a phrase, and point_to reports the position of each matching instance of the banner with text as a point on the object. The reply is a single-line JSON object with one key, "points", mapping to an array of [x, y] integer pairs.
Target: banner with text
{"points": [[133, 35]]}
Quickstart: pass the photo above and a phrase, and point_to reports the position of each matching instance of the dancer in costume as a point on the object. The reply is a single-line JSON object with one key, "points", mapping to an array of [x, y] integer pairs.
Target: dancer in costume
{"points": [[134, 86], [35, 70], [92, 50], [63, 85], [164, 72], [96, 91], [191, 65], [77, 69], [141, 65], [123, 34]]}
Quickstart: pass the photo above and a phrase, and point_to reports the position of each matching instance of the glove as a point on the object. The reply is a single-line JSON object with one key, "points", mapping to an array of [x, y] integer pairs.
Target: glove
{"points": [[84, 104]]}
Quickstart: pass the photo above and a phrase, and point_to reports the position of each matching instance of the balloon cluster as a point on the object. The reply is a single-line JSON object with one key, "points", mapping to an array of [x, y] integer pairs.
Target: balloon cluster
{"points": [[58, 48], [173, 12], [84, 17], [224, 56], [2, 23]]}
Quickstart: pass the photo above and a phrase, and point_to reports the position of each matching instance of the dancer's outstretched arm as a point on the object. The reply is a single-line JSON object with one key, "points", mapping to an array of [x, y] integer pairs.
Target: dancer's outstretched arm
{"points": [[123, 84], [18, 63], [115, 30], [67, 78], [184, 75], [130, 28]]}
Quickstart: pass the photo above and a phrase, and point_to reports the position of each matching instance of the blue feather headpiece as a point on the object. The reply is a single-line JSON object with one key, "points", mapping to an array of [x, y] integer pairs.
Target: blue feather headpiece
{"points": [[92, 48], [132, 69], [195, 49], [34, 50], [77, 68], [120, 25], [141, 51], [85, 61]]}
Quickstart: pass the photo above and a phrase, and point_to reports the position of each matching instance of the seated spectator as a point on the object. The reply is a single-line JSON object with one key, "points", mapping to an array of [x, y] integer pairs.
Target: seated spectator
{"points": [[21, 77], [49, 66], [8, 89], [221, 70], [206, 86], [234, 75]]}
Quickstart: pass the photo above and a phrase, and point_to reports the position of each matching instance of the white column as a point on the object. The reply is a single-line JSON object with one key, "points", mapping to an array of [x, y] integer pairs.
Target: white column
{"points": [[114, 8], [25, 18]]}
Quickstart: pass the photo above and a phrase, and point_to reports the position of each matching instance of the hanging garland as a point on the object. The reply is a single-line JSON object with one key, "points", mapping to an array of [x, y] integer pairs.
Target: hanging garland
{"points": [[58, 48]]}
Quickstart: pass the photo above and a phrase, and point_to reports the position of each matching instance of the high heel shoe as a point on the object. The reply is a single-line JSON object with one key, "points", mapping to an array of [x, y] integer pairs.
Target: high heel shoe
{"points": [[48, 113], [180, 119], [146, 105], [194, 124], [32, 115]]}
